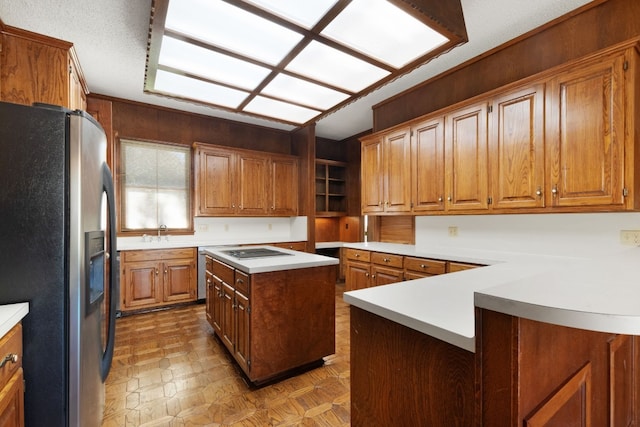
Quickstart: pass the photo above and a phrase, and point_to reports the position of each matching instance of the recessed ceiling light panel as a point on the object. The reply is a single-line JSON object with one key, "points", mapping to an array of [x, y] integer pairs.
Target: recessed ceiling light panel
{"points": [[231, 28], [280, 110], [303, 92], [186, 87], [329, 65], [304, 13], [379, 29], [211, 65]]}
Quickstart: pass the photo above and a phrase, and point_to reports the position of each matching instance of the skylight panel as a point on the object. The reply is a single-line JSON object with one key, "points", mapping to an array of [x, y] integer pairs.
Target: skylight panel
{"points": [[381, 30], [303, 92], [229, 27], [329, 65], [304, 13], [211, 65], [280, 110], [187, 87]]}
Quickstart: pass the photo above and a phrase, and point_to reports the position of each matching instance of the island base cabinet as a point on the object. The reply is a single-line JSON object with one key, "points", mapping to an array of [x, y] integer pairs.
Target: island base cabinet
{"points": [[536, 374], [402, 377]]}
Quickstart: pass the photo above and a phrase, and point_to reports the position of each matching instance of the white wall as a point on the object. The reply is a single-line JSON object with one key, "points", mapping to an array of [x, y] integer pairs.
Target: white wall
{"points": [[238, 230], [586, 234]]}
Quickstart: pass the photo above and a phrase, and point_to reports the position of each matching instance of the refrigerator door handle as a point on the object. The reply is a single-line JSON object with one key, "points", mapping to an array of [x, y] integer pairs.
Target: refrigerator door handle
{"points": [[107, 187]]}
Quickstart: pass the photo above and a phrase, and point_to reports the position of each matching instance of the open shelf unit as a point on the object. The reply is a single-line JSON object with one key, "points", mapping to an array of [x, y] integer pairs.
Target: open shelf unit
{"points": [[331, 188]]}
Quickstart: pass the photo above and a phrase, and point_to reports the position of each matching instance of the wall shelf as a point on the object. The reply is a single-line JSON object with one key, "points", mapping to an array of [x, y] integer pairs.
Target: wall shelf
{"points": [[331, 188]]}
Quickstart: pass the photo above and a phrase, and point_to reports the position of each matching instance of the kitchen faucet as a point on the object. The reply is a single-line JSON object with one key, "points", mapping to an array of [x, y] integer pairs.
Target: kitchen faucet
{"points": [[162, 227]]}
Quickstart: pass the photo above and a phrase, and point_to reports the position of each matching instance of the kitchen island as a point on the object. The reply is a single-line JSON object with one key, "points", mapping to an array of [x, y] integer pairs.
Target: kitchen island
{"points": [[274, 312], [525, 341]]}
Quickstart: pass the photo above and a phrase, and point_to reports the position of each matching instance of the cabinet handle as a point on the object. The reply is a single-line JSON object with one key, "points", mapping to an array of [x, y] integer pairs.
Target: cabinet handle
{"points": [[554, 190], [423, 266], [449, 198], [386, 260], [357, 255], [373, 276], [239, 281], [366, 274], [539, 192], [440, 199], [166, 271], [157, 272], [11, 357]]}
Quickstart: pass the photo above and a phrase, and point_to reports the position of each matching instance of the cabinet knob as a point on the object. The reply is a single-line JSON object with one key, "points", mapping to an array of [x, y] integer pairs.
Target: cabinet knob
{"points": [[157, 272], [386, 260], [449, 198], [539, 192], [239, 281], [554, 190], [440, 199], [11, 357], [423, 266], [357, 255]]}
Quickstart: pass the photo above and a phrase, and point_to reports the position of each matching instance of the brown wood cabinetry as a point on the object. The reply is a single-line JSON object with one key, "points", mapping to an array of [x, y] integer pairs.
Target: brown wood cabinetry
{"points": [[37, 68], [532, 376], [294, 246], [586, 133], [273, 322], [157, 277], [12, 379], [386, 172], [243, 182], [565, 140], [452, 266], [364, 268]]}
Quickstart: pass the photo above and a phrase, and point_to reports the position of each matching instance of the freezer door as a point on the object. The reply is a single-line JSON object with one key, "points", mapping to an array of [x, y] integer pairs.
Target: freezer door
{"points": [[89, 284]]}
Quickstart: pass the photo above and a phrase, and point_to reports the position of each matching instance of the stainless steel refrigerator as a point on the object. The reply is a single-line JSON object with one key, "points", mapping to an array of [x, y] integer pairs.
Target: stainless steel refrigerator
{"points": [[58, 253]]}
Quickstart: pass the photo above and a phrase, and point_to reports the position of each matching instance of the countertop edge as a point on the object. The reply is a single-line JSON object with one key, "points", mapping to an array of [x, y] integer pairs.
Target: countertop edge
{"points": [[11, 315]]}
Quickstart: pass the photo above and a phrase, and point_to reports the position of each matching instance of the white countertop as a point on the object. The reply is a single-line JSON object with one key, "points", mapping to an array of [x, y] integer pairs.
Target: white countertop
{"points": [[601, 295], [294, 259], [11, 315]]}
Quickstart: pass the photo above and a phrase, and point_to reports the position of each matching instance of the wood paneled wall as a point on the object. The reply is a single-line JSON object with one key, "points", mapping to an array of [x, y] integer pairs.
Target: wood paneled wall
{"points": [[597, 25]]}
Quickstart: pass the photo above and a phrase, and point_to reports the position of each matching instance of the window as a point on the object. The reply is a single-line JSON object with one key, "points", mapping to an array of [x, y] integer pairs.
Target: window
{"points": [[154, 183]]}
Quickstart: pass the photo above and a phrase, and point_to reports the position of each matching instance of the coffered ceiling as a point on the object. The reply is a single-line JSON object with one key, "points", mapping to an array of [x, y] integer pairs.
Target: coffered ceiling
{"points": [[111, 39]]}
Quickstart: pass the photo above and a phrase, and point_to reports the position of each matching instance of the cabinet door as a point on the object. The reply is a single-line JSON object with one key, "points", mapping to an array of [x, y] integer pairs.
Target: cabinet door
{"points": [[284, 186], [466, 157], [372, 176], [397, 171], [586, 135], [253, 184], [12, 401], [427, 163], [517, 148], [210, 298], [215, 182], [357, 275], [179, 280], [385, 275], [228, 319], [242, 341], [141, 284], [217, 306]]}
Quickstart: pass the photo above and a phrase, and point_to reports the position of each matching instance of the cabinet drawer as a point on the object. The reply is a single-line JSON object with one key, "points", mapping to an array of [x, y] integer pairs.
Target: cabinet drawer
{"points": [[461, 266], [223, 271], [358, 255], [11, 344], [157, 254], [209, 264], [389, 260], [423, 265], [242, 282]]}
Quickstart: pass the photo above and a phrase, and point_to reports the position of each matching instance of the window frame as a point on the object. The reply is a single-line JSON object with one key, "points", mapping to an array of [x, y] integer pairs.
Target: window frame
{"points": [[118, 183]]}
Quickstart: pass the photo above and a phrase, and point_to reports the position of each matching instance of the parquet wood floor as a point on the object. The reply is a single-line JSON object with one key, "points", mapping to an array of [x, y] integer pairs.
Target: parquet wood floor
{"points": [[170, 371]]}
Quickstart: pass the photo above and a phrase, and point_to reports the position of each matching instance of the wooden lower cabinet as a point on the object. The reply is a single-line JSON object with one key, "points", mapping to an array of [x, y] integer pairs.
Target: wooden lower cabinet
{"points": [[12, 380], [157, 277], [452, 267], [538, 374], [402, 377], [275, 322], [523, 374]]}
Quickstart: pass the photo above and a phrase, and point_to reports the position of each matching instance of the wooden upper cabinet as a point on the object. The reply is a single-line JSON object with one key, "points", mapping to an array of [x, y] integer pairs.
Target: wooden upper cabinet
{"points": [[253, 182], [283, 177], [386, 173], [372, 176], [586, 134], [214, 182], [397, 171], [516, 141], [244, 182], [427, 166], [466, 157], [37, 68]]}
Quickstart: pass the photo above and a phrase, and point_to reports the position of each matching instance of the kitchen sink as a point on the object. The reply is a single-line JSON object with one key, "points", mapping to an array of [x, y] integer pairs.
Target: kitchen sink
{"points": [[253, 253]]}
